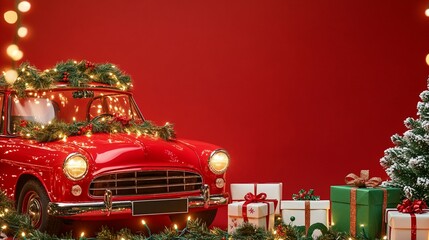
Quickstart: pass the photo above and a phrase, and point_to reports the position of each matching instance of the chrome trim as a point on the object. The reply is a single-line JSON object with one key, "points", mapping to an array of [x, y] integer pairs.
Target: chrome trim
{"points": [[108, 201], [210, 157], [64, 164], [153, 182], [99, 208]]}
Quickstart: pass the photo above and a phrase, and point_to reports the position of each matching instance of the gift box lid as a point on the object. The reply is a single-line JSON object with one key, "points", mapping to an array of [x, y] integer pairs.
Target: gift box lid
{"points": [[239, 190], [403, 220], [254, 210], [300, 204], [273, 191], [364, 196]]}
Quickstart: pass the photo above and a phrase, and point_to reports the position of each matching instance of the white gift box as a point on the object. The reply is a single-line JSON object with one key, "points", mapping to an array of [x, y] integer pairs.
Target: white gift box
{"points": [[257, 214], [399, 225], [273, 191], [318, 212]]}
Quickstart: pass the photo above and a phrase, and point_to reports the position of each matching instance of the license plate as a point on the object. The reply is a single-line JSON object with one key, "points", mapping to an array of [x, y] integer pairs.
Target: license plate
{"points": [[160, 206]]}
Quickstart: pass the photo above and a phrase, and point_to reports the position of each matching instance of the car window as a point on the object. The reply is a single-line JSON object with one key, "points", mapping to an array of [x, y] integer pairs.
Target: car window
{"points": [[40, 110], [116, 105]]}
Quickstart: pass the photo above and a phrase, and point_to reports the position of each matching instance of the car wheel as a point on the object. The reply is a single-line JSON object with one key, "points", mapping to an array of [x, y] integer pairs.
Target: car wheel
{"points": [[33, 201], [206, 217]]}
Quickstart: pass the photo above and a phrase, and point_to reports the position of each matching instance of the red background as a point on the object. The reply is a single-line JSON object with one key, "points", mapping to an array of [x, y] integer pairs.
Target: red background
{"points": [[299, 92]]}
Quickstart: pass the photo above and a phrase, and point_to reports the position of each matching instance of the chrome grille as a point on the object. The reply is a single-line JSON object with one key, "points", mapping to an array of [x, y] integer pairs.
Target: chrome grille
{"points": [[146, 182]]}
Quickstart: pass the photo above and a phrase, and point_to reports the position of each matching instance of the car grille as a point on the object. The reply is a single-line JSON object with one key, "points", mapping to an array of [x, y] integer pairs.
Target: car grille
{"points": [[146, 182]]}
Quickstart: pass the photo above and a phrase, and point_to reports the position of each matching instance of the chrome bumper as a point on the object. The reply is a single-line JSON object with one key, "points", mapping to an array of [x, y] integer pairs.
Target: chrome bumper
{"points": [[60, 209]]}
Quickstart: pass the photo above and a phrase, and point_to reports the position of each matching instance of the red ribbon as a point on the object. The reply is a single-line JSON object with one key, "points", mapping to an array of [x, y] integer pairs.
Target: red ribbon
{"points": [[408, 206], [259, 198], [413, 226], [412, 207]]}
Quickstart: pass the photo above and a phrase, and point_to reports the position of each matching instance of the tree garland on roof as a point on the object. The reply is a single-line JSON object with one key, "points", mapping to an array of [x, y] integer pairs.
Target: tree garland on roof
{"points": [[72, 73]]}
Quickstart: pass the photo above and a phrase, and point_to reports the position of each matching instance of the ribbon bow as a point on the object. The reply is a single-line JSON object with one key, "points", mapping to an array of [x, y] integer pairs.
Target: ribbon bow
{"points": [[363, 180], [121, 119], [252, 198], [259, 198], [408, 206]]}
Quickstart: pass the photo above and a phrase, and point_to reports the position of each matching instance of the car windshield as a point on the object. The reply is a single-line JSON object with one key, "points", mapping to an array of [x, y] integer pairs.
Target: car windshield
{"points": [[70, 106]]}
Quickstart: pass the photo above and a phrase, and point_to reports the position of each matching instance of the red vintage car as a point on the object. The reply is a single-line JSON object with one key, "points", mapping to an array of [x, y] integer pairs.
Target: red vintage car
{"points": [[87, 153]]}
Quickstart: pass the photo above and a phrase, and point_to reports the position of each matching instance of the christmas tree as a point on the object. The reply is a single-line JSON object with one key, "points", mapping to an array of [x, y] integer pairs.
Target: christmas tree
{"points": [[407, 164]]}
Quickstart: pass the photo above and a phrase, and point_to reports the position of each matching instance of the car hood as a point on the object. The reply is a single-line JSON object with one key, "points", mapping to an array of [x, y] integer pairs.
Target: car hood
{"points": [[123, 151]]}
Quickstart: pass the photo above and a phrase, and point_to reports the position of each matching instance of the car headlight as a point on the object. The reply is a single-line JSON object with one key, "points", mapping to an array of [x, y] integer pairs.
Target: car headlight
{"points": [[75, 166], [218, 161]]}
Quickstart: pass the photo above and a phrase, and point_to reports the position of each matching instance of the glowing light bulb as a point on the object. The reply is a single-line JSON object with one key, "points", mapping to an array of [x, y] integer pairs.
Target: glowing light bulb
{"points": [[175, 227], [24, 6], [10, 17], [189, 218], [427, 59], [427, 12], [143, 222], [23, 234], [22, 32], [10, 76], [3, 227], [17, 55], [11, 49], [82, 234]]}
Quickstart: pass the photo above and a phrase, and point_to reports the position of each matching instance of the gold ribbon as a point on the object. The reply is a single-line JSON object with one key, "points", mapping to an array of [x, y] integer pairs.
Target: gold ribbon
{"points": [[383, 211], [363, 180], [353, 212], [307, 216]]}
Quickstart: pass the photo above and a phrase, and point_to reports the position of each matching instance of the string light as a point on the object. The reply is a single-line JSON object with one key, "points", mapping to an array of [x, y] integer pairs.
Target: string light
{"points": [[10, 17], [10, 76], [11, 48], [22, 32], [24, 6], [427, 12], [13, 17]]}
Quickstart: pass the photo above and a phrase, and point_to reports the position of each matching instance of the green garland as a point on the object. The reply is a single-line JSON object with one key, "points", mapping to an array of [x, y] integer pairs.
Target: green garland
{"points": [[14, 224], [71, 73], [60, 131], [79, 75]]}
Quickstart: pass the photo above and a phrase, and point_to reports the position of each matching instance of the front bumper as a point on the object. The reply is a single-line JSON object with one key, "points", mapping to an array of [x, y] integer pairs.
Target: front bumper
{"points": [[106, 207]]}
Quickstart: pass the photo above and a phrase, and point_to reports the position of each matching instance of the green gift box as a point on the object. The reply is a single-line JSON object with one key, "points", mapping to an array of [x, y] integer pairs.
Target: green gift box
{"points": [[369, 208]]}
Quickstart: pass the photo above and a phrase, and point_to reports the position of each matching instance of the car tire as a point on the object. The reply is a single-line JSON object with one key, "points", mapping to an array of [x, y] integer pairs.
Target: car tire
{"points": [[206, 217], [33, 201]]}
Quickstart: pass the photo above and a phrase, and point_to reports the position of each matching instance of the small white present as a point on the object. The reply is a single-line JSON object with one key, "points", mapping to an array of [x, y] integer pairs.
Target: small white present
{"points": [[273, 191], [413, 226], [260, 214], [306, 213]]}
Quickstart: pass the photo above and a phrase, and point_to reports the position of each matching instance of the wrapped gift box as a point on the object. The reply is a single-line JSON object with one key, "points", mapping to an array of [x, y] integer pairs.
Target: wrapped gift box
{"points": [[318, 213], [369, 209], [257, 214], [399, 225], [273, 191]]}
